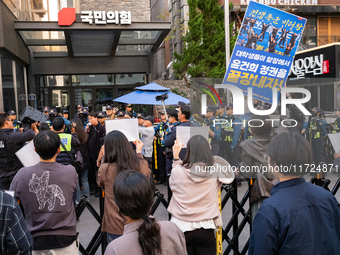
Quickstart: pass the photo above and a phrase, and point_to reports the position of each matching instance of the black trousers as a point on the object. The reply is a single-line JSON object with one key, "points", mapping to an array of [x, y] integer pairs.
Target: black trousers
{"points": [[226, 153], [200, 242], [161, 164], [318, 150], [92, 174]]}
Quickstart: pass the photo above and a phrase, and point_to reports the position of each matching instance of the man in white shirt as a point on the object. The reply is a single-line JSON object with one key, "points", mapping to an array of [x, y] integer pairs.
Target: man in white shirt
{"points": [[147, 133]]}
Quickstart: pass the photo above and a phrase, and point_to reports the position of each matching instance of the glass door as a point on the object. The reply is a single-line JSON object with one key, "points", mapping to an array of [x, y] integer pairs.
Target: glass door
{"points": [[83, 96], [104, 96], [60, 99]]}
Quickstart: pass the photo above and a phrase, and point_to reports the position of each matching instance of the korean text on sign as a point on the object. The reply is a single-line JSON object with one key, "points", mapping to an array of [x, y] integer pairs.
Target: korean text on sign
{"points": [[103, 17]]}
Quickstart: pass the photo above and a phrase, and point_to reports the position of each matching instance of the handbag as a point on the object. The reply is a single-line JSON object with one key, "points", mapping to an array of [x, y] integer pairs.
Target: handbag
{"points": [[76, 161]]}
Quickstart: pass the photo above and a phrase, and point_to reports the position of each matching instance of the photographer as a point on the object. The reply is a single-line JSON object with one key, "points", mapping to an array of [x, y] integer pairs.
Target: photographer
{"points": [[10, 143]]}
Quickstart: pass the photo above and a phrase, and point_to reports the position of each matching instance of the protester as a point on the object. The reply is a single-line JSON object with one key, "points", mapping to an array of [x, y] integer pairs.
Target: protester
{"points": [[251, 155], [45, 191], [44, 127], [299, 217], [194, 205], [143, 235], [119, 157], [14, 236], [10, 143], [68, 142], [147, 133], [96, 139], [78, 129]]}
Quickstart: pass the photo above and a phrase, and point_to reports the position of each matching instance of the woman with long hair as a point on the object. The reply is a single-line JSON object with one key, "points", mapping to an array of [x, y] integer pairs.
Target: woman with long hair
{"points": [[119, 157], [143, 235], [195, 184], [78, 129]]}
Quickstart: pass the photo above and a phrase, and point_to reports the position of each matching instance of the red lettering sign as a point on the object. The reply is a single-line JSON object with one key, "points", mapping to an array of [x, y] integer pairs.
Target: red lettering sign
{"points": [[325, 66], [66, 16]]}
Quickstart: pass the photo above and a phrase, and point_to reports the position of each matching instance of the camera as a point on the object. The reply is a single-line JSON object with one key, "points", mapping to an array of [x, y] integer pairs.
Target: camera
{"points": [[162, 97]]}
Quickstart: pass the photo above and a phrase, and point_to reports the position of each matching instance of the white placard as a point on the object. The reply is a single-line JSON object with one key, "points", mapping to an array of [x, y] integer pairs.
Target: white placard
{"points": [[27, 155], [183, 134], [129, 127], [9, 192], [335, 140]]}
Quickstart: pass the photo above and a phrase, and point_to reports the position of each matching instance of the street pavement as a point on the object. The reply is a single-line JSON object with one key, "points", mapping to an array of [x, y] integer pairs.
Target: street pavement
{"points": [[87, 225]]}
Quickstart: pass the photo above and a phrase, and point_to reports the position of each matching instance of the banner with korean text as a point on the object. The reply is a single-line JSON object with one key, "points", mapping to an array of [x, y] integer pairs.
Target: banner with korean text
{"points": [[264, 50]]}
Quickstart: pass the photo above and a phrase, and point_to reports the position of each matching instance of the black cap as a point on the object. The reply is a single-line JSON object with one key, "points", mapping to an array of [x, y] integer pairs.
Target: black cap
{"points": [[53, 112], [46, 109], [230, 105], [337, 109], [212, 108], [65, 111], [109, 107], [317, 109], [120, 114], [150, 118], [85, 110], [140, 115], [11, 112], [79, 106], [129, 105], [101, 114]]}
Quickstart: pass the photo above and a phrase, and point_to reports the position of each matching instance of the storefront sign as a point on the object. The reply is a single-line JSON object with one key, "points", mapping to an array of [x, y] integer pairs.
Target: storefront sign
{"points": [[103, 17], [282, 2], [314, 65]]}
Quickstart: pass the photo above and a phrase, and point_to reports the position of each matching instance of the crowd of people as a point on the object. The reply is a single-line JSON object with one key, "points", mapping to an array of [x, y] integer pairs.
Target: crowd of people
{"points": [[289, 215]]}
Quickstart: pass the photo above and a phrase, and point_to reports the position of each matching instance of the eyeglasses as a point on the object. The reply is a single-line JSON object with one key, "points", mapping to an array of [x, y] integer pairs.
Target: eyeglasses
{"points": [[266, 157]]}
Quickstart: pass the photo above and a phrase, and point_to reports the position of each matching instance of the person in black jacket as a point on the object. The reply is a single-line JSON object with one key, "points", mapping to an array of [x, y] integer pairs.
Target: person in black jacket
{"points": [[10, 143], [96, 139]]}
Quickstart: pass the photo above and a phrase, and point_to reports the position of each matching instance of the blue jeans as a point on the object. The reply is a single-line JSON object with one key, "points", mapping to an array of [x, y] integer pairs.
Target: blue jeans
{"points": [[82, 175], [111, 237]]}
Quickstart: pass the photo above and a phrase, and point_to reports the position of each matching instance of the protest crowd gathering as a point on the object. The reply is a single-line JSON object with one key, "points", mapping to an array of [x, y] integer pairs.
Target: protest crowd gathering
{"points": [[289, 214]]}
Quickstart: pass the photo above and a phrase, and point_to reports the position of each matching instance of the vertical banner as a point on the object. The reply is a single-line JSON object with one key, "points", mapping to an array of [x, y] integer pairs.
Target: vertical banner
{"points": [[219, 238], [264, 50]]}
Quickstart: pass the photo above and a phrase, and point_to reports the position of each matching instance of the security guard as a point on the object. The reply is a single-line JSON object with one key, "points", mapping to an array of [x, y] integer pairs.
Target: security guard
{"points": [[317, 133], [159, 134], [336, 124], [230, 136], [129, 111], [214, 128]]}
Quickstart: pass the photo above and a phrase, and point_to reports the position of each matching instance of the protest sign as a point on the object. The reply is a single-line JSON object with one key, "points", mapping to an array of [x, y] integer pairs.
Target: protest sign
{"points": [[27, 155], [264, 50], [335, 141], [183, 134], [129, 127]]}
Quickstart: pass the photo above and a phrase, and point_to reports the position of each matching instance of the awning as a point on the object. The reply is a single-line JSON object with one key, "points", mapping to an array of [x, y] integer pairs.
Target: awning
{"points": [[48, 39]]}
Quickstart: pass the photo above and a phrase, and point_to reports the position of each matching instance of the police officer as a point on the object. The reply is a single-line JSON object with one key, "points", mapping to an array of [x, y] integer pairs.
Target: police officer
{"points": [[140, 117], [10, 143], [101, 118], [79, 109], [247, 130], [85, 117], [67, 140], [51, 115], [214, 128], [46, 110], [160, 133], [129, 111], [13, 117], [220, 112], [317, 133], [65, 114], [336, 124], [230, 136], [110, 114]]}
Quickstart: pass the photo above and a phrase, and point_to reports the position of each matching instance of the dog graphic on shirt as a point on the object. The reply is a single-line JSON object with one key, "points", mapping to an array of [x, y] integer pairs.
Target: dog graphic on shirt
{"points": [[46, 193]]}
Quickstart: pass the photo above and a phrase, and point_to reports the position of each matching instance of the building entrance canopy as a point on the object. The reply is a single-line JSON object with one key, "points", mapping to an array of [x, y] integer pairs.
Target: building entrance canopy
{"points": [[48, 39]]}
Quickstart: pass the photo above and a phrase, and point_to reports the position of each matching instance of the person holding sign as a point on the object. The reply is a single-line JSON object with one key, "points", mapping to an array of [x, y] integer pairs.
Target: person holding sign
{"points": [[147, 132]]}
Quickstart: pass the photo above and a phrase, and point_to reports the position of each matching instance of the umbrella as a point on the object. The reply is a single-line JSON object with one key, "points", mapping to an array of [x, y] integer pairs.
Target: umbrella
{"points": [[147, 95]]}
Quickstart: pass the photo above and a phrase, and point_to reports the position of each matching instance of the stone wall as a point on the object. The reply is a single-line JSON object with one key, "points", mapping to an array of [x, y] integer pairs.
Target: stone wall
{"points": [[140, 9], [175, 84]]}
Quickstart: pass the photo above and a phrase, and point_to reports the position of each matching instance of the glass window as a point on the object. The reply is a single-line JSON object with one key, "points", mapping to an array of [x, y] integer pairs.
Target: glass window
{"points": [[48, 48], [7, 84], [130, 79], [45, 35], [20, 88], [138, 34], [103, 97], [92, 79], [57, 80], [83, 97], [60, 99], [124, 48]]}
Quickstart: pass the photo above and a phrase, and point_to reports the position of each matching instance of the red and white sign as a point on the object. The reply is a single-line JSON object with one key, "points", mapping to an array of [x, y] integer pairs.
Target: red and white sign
{"points": [[325, 66], [66, 16]]}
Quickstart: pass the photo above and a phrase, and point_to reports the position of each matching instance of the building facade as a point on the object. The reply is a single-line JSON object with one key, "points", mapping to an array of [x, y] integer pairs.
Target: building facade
{"points": [[107, 50]]}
